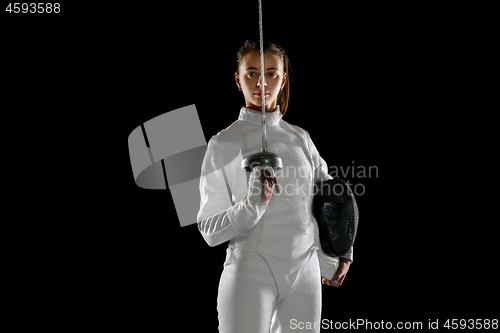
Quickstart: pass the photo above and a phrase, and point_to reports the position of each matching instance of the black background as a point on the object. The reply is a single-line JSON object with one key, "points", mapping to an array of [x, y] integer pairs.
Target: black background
{"points": [[380, 85]]}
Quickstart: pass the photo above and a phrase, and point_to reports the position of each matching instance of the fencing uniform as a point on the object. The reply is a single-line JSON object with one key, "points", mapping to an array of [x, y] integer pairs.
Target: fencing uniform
{"points": [[274, 263]]}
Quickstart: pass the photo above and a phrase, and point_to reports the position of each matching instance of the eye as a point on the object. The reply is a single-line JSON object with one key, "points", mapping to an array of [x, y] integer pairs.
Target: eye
{"points": [[251, 74], [271, 74]]}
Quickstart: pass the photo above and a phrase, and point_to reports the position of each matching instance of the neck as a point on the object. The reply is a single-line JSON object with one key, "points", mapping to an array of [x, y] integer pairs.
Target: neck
{"points": [[269, 108]]}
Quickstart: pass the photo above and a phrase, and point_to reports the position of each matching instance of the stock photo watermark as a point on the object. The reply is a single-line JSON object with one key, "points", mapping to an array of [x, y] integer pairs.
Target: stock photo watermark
{"points": [[299, 187], [355, 172]]}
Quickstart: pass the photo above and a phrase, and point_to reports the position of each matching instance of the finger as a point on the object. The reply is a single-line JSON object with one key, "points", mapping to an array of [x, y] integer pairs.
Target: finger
{"points": [[267, 191], [337, 277], [323, 280], [327, 282], [266, 183], [268, 188], [339, 281]]}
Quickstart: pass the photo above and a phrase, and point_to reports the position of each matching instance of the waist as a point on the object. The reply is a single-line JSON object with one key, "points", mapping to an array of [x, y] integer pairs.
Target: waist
{"points": [[280, 237]]}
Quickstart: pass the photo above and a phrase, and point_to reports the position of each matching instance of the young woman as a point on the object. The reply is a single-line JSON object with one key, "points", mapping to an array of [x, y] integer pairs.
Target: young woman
{"points": [[274, 264]]}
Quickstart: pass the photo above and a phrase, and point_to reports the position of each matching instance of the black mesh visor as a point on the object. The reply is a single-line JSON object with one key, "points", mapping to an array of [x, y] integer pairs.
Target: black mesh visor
{"points": [[336, 212]]}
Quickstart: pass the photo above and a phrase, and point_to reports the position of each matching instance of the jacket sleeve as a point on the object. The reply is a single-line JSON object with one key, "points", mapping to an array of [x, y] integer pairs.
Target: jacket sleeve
{"points": [[225, 211], [328, 265]]}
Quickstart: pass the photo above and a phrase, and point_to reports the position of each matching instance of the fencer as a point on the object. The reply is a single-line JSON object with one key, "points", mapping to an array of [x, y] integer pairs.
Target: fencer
{"points": [[274, 263]]}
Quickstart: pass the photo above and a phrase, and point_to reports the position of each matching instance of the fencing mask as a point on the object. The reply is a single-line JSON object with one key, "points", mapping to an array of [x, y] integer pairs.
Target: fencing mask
{"points": [[336, 212]]}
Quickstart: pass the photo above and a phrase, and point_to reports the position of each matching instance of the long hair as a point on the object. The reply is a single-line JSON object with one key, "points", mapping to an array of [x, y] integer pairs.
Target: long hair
{"points": [[251, 46]]}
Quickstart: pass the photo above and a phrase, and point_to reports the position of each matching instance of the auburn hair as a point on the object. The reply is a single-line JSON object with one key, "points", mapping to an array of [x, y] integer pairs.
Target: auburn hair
{"points": [[251, 46]]}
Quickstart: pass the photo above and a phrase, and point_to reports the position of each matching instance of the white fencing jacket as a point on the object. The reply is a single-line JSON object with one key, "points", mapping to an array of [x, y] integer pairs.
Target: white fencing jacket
{"points": [[284, 232]]}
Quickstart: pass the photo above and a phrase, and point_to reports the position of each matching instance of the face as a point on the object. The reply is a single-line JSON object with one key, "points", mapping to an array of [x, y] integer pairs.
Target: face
{"points": [[249, 81]]}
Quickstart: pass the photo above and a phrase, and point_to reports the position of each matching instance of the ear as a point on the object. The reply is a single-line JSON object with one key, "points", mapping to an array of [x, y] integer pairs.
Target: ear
{"points": [[237, 79], [283, 81]]}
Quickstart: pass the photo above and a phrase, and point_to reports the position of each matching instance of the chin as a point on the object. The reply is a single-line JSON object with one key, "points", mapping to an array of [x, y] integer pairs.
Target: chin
{"points": [[258, 102]]}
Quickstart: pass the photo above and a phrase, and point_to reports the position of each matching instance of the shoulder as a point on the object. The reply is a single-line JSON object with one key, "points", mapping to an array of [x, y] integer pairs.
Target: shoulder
{"points": [[298, 131], [224, 146], [229, 134]]}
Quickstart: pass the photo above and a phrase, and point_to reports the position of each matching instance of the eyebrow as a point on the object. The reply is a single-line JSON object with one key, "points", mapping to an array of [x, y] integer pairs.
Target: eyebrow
{"points": [[253, 68]]}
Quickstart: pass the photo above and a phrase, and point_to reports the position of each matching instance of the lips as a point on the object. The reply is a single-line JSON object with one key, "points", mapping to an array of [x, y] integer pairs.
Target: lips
{"points": [[259, 94]]}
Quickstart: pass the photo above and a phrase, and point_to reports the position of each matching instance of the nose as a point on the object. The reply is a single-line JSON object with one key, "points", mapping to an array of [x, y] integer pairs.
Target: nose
{"points": [[259, 82]]}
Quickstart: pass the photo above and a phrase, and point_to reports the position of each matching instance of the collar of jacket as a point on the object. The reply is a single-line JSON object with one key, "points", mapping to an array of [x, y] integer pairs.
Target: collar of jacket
{"points": [[272, 118]]}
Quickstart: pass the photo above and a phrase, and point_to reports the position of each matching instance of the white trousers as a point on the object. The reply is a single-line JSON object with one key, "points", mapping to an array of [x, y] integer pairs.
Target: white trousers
{"points": [[253, 299]]}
